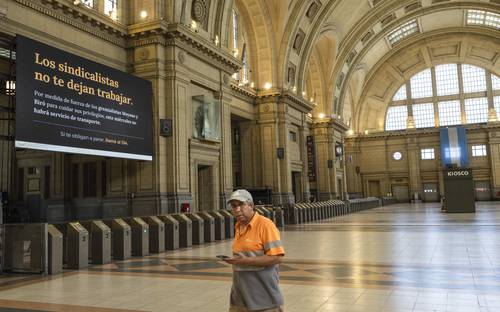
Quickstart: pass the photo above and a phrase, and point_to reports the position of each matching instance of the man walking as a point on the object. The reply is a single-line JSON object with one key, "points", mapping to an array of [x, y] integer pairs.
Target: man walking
{"points": [[257, 253]]}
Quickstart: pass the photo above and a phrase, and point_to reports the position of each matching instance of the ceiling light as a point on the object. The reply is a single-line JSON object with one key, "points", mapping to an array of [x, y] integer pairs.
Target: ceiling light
{"points": [[143, 14]]}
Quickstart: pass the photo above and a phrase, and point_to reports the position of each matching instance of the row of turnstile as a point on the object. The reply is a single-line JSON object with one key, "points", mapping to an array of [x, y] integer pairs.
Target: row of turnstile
{"points": [[307, 212], [74, 245]]}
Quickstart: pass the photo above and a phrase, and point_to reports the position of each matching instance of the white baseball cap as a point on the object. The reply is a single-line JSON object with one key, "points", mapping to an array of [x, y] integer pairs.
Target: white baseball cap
{"points": [[241, 195]]}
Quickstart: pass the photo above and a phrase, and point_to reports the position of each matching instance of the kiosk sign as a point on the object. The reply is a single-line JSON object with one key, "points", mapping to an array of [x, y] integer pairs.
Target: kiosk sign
{"points": [[65, 103]]}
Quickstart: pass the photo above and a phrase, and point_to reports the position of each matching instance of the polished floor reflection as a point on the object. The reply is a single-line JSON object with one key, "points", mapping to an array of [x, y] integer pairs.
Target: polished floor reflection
{"points": [[396, 258]]}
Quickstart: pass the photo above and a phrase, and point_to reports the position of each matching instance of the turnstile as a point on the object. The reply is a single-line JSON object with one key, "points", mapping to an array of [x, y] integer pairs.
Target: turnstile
{"points": [[156, 234], [171, 232], [198, 228], [228, 222], [121, 239], [208, 226], [75, 245], [185, 230], [140, 236], [55, 249], [220, 225], [99, 241]]}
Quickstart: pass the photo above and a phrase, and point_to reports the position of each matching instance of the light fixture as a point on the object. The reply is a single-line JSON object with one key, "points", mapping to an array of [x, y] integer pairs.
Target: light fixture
{"points": [[235, 52], [350, 132], [267, 86], [309, 115], [366, 131], [321, 115], [10, 87], [194, 25], [76, 2], [294, 89], [216, 40], [252, 85], [143, 14], [303, 93], [235, 76]]}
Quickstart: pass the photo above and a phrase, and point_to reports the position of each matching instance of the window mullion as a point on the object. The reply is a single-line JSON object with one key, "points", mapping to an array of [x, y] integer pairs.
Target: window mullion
{"points": [[434, 97], [461, 93]]}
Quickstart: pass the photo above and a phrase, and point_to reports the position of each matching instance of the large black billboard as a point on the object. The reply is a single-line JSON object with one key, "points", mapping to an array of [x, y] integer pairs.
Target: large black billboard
{"points": [[66, 103]]}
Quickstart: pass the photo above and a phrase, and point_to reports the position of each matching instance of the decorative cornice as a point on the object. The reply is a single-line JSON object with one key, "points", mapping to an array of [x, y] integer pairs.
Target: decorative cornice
{"points": [[3, 12], [297, 102], [419, 132], [81, 18], [184, 37], [334, 123], [243, 91]]}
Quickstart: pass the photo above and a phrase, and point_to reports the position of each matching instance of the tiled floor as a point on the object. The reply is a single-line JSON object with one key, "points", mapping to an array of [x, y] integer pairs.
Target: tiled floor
{"points": [[397, 258]]}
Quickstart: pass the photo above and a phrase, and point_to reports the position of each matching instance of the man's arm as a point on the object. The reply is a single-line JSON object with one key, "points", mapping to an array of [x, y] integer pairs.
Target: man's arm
{"points": [[263, 260]]}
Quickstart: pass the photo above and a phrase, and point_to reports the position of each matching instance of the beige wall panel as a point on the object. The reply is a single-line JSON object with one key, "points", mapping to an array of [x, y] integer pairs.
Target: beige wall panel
{"points": [[74, 41], [116, 175], [203, 70], [182, 152], [242, 108], [495, 161], [145, 175], [293, 147], [442, 19]]}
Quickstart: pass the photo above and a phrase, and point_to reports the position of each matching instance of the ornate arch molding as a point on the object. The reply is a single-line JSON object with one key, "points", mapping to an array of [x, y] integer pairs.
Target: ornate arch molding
{"points": [[302, 14], [349, 57], [262, 40], [466, 45]]}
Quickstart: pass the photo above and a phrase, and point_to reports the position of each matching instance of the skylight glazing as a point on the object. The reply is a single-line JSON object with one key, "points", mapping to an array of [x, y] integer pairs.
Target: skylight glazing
{"points": [[396, 118], [421, 85], [403, 31], [400, 94], [483, 18], [474, 78], [447, 79]]}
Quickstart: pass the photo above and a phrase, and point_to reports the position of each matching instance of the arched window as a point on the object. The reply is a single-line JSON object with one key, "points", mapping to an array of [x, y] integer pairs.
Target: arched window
{"points": [[239, 48], [447, 94]]}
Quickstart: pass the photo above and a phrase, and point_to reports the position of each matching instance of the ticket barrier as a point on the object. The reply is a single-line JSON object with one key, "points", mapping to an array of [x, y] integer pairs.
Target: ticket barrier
{"points": [[220, 225], [322, 210], [321, 207], [171, 232], [305, 213], [330, 209], [156, 234], [279, 216], [300, 213], [292, 214], [185, 230], [75, 245], [55, 250], [271, 213], [314, 211], [228, 223], [140, 236], [198, 228], [208, 226], [99, 241], [121, 238]]}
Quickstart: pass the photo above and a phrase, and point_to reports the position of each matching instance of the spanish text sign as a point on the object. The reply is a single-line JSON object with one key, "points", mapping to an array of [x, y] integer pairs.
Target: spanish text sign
{"points": [[66, 103]]}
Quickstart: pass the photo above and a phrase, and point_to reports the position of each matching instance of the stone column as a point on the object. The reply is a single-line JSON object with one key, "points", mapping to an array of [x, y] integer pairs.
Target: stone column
{"points": [[323, 138], [414, 167], [494, 143], [226, 168]]}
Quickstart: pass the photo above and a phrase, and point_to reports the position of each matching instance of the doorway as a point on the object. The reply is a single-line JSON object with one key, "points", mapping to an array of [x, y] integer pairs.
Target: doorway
{"points": [[205, 194], [401, 193], [431, 193], [297, 186], [374, 188]]}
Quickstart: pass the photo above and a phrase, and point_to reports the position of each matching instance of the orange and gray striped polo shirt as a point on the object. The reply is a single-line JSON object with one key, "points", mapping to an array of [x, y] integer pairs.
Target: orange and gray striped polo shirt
{"points": [[257, 287]]}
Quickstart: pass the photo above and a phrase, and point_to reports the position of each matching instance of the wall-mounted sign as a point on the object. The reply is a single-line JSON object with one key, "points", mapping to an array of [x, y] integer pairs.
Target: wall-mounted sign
{"points": [[65, 103], [311, 158]]}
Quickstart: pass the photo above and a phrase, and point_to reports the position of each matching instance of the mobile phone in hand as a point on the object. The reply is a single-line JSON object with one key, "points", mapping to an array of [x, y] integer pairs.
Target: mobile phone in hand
{"points": [[223, 257]]}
